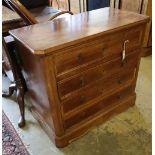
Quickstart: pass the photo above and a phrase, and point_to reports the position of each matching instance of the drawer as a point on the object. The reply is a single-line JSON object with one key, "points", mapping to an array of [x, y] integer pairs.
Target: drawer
{"points": [[135, 37], [78, 56], [100, 106], [102, 87], [103, 70], [106, 48]]}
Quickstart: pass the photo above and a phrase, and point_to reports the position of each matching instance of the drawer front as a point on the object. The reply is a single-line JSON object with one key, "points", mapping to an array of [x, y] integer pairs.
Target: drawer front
{"points": [[135, 37], [101, 106], [78, 56], [102, 87], [103, 70], [105, 49]]}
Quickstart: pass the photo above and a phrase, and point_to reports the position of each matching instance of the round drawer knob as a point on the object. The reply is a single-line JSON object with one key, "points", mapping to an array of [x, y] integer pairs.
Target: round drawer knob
{"points": [[82, 82], [82, 99], [119, 82], [103, 52], [119, 96], [83, 113], [102, 72], [79, 59]]}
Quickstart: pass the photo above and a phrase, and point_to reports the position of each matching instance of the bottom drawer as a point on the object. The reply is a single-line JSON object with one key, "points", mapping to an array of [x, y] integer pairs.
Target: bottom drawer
{"points": [[100, 106]]}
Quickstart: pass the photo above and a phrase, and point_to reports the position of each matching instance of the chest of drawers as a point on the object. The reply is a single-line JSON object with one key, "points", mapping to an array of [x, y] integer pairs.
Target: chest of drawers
{"points": [[80, 70]]}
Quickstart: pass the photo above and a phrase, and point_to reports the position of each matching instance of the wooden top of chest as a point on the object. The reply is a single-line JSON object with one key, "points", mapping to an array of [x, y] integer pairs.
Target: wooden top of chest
{"points": [[47, 37]]}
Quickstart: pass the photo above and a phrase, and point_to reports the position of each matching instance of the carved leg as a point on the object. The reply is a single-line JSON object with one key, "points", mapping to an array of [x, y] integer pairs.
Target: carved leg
{"points": [[12, 88], [20, 100], [3, 68], [10, 49]]}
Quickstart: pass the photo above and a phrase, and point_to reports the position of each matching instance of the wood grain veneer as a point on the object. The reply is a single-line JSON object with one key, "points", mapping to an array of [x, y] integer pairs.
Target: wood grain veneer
{"points": [[81, 70], [141, 7], [70, 31]]}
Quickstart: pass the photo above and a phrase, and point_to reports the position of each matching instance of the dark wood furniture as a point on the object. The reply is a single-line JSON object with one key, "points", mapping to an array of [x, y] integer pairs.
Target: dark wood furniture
{"points": [[79, 75], [142, 7], [12, 20], [39, 12], [26, 15], [18, 85]]}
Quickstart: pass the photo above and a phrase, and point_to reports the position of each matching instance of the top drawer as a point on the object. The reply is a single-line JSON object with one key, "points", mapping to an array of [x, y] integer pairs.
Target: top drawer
{"points": [[105, 48]]}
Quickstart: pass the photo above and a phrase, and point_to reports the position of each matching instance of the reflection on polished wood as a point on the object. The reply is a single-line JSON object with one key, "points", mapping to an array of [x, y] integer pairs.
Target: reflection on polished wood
{"points": [[18, 18], [81, 70], [95, 22]]}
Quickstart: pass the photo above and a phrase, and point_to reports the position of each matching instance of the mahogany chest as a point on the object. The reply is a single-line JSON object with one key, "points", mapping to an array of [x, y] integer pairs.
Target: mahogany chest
{"points": [[80, 70]]}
